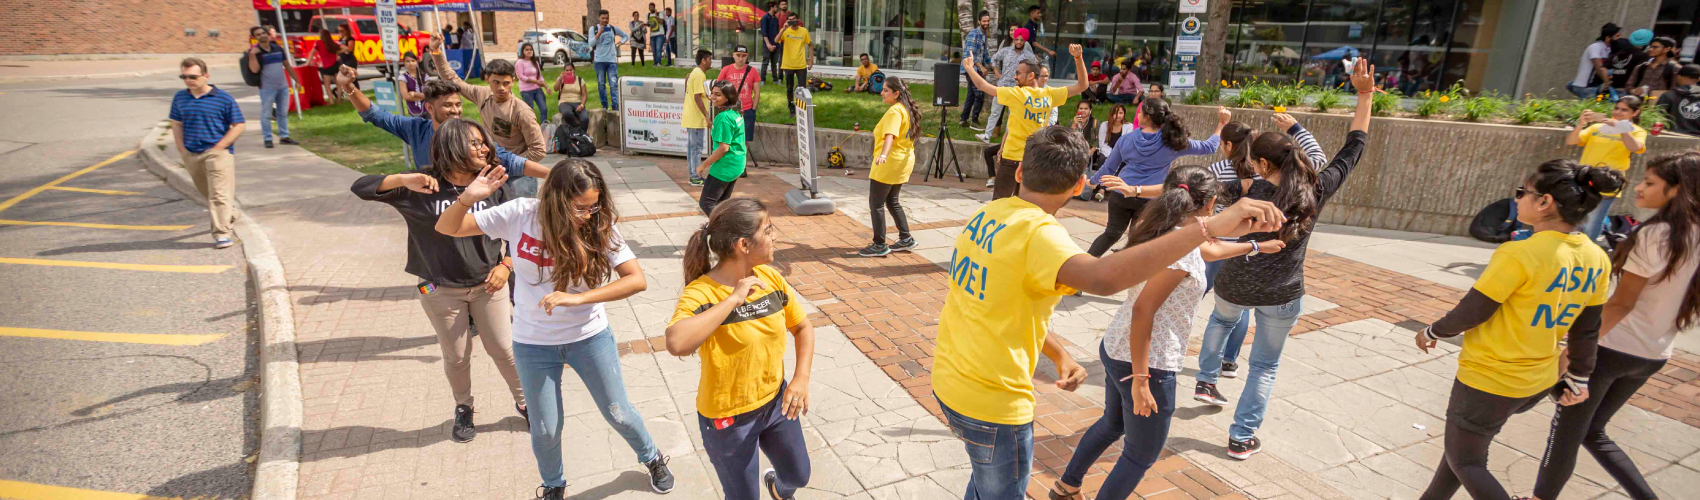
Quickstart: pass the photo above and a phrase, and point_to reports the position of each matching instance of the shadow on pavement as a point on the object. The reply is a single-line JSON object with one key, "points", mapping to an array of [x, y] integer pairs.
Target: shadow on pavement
{"points": [[626, 481], [315, 351], [172, 243], [227, 481], [328, 294], [353, 440]]}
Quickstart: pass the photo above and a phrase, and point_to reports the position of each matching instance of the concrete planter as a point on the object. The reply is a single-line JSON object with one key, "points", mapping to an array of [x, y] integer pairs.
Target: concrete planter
{"points": [[778, 144], [1428, 175]]}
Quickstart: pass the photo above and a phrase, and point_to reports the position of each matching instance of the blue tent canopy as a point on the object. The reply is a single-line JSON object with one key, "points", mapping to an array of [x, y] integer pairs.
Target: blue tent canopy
{"points": [[479, 5], [1338, 53]]}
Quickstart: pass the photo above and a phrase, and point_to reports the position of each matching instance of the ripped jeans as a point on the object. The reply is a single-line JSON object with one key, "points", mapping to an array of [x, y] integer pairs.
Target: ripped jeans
{"points": [[597, 362]]}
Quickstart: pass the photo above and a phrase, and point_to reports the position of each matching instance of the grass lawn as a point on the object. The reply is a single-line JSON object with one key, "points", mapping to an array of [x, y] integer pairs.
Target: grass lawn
{"points": [[338, 134]]}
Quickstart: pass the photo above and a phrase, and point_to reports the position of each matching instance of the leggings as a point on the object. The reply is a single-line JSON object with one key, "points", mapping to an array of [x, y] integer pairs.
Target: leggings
{"points": [[1473, 417], [1616, 377], [637, 55], [714, 191], [731, 444], [1123, 211], [883, 197], [537, 99]]}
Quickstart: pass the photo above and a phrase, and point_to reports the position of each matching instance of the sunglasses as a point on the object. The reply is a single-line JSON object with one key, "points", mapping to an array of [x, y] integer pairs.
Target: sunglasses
{"points": [[190, 77], [1521, 192]]}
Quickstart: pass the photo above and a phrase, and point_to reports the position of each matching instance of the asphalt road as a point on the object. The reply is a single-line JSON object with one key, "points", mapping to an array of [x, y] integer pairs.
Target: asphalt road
{"points": [[101, 412]]}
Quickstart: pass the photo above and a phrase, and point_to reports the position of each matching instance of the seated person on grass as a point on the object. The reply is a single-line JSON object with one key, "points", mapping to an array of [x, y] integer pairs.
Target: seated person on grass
{"points": [[864, 75]]}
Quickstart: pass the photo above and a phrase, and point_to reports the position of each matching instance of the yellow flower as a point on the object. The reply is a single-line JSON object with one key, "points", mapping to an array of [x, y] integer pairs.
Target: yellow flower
{"points": [[1445, 98], [1225, 83], [1599, 97], [1280, 109]]}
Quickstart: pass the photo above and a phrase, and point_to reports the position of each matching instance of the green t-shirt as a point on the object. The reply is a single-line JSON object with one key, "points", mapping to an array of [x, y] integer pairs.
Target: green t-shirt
{"points": [[728, 129]]}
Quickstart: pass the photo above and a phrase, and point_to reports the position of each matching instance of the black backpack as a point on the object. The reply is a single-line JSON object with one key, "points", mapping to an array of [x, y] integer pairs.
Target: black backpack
{"points": [[249, 77], [572, 142], [1492, 224]]}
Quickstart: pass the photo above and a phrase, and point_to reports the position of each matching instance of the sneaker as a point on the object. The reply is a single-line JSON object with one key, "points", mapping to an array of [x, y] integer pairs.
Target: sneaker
{"points": [[222, 242], [983, 138], [904, 245], [991, 182], [555, 493], [696, 181], [660, 477], [770, 478], [523, 412], [1205, 392], [874, 250], [288, 141], [744, 175], [268, 143], [1242, 450], [962, 123], [1230, 369], [463, 431], [977, 128]]}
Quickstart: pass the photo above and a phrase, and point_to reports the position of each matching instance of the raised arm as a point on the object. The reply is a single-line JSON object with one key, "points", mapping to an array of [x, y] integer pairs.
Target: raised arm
{"points": [[1363, 79], [1124, 269], [1081, 83], [974, 76]]}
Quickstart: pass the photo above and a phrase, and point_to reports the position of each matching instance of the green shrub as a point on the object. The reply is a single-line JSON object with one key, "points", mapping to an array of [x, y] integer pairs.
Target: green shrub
{"points": [[1253, 95], [1652, 114], [1573, 108], [1287, 95], [1533, 110], [1326, 99], [1483, 107], [1434, 103], [1206, 95], [1384, 103]]}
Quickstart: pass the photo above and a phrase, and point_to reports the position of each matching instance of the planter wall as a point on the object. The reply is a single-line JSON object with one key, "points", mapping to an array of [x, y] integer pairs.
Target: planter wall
{"points": [[778, 144], [1428, 175]]}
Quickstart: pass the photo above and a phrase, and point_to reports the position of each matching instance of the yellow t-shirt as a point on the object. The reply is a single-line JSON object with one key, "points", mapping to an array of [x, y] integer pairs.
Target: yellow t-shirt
{"points": [[863, 72], [1609, 150], [900, 162], [742, 363], [693, 87], [1003, 286], [1541, 283], [1029, 110], [796, 48]]}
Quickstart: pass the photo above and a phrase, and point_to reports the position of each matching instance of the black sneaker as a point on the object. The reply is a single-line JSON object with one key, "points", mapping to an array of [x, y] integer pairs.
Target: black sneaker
{"points": [[288, 141], [696, 181], [1230, 369], [660, 477], [1242, 450], [463, 431], [904, 245], [555, 493], [268, 143], [523, 412], [771, 479], [1205, 392], [874, 250]]}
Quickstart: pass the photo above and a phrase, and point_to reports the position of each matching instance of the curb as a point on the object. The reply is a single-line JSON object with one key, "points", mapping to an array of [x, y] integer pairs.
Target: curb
{"points": [[278, 466], [96, 76]]}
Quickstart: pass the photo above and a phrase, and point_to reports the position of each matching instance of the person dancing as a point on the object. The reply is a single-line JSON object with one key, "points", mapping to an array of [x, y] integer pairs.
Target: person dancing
{"points": [[725, 164], [895, 134], [1141, 160], [1029, 110], [572, 218]]}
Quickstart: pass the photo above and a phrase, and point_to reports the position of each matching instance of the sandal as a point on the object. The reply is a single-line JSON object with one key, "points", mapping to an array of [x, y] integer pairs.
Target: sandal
{"points": [[1058, 486]]}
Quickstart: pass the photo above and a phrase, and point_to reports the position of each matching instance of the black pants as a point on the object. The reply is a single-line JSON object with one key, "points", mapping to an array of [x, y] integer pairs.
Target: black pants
{"points": [[771, 61], [793, 78], [973, 105], [1616, 377], [1123, 211], [714, 191], [1473, 418], [883, 197], [1004, 184], [637, 55], [732, 442]]}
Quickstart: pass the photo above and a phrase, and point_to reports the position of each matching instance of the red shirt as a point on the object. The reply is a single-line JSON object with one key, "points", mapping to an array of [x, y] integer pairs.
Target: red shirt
{"points": [[747, 94]]}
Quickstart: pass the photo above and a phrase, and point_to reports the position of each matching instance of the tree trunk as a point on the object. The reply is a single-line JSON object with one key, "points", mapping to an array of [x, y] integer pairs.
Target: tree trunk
{"points": [[965, 18], [590, 8], [1215, 44]]}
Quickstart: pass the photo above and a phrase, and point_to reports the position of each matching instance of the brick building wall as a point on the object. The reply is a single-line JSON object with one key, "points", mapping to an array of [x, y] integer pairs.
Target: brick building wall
{"points": [[61, 27], [569, 14]]}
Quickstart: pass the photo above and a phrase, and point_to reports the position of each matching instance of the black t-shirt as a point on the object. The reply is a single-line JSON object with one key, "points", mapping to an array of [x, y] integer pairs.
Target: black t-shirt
{"points": [[1270, 279], [433, 256], [1623, 59]]}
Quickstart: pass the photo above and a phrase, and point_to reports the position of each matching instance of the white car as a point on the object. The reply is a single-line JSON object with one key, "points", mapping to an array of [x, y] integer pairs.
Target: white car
{"points": [[553, 44]]}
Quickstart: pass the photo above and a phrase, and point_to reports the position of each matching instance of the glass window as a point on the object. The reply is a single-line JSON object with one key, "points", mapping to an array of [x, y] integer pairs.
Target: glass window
{"points": [[1272, 32], [878, 32], [930, 35], [1336, 30], [1090, 23], [366, 27], [1411, 43], [1146, 35]]}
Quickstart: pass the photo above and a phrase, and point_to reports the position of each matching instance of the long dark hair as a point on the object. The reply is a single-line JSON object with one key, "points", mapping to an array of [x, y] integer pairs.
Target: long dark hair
{"points": [[1186, 190], [901, 87], [1174, 134], [576, 246], [536, 60], [730, 91], [1296, 195], [329, 41], [1575, 188], [450, 150], [732, 220], [1680, 171], [1238, 135]]}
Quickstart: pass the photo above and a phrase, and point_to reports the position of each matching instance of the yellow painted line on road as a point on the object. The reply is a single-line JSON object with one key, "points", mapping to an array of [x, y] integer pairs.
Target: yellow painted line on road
{"points": [[19, 490], [122, 338], [95, 191], [93, 225], [38, 189], [162, 268]]}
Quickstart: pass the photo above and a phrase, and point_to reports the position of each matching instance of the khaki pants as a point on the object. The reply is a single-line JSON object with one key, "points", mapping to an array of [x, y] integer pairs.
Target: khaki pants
{"points": [[449, 309], [214, 172]]}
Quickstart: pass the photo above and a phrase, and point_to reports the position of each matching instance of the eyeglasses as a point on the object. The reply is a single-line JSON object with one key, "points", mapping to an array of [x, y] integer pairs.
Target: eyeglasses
{"points": [[190, 77], [1521, 192], [587, 212], [479, 145]]}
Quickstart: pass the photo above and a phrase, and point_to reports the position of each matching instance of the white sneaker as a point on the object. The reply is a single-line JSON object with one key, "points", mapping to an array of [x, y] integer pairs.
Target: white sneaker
{"points": [[983, 138], [991, 182]]}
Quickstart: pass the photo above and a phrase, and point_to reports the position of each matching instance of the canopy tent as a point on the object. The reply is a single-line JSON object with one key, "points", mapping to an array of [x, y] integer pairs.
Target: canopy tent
{"points": [[477, 5], [728, 14], [332, 4]]}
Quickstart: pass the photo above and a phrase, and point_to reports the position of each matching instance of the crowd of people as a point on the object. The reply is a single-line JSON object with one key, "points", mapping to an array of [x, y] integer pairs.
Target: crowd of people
{"points": [[1543, 321], [1643, 66]]}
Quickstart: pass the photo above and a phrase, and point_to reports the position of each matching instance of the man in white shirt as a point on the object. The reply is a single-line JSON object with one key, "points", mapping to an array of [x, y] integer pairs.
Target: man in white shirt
{"points": [[1591, 70]]}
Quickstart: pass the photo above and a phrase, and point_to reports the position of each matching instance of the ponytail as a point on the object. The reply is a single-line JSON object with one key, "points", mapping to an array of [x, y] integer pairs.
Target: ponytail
{"points": [[902, 88], [732, 220], [1174, 134], [1296, 195], [1186, 190], [1238, 135], [1576, 189]]}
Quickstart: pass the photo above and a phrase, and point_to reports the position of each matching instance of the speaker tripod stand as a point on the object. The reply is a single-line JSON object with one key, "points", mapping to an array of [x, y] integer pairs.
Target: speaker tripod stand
{"points": [[941, 147]]}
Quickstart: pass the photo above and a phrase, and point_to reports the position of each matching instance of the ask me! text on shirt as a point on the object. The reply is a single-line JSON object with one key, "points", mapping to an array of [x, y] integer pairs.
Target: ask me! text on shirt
{"points": [[1572, 279], [964, 272]]}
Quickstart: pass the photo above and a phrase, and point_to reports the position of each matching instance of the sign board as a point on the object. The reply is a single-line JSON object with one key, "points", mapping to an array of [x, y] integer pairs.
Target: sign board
{"points": [[1189, 45], [1191, 25], [384, 93], [652, 111], [1194, 7], [1182, 79], [806, 138], [387, 27]]}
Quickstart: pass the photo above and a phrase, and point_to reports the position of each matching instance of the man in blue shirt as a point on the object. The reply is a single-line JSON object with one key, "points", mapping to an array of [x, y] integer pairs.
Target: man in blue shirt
{"points": [[442, 103], [267, 58], [206, 122], [975, 43], [605, 40], [770, 26]]}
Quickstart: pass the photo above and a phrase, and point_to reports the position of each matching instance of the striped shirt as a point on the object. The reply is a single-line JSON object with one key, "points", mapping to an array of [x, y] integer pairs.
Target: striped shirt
{"points": [[205, 119], [1224, 169]]}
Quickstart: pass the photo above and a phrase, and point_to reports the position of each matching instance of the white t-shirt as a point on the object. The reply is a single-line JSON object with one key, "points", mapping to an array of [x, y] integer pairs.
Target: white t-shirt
{"points": [[1585, 70], [1649, 330], [516, 222], [1172, 324]]}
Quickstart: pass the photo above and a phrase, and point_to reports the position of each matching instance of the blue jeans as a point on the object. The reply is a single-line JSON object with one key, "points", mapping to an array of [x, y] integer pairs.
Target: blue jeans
{"points": [[537, 99], [607, 81], [597, 362], [1142, 437], [695, 140], [1119, 98], [1001, 455], [1236, 338], [973, 105], [274, 105], [732, 449], [1596, 221], [1273, 324], [658, 46], [1589, 92]]}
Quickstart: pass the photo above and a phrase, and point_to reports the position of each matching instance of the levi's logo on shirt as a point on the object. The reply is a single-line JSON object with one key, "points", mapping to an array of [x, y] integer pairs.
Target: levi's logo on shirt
{"points": [[531, 249]]}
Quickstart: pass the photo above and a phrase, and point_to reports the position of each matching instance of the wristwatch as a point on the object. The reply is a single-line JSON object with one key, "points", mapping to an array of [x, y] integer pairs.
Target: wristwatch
{"points": [[1255, 249]]}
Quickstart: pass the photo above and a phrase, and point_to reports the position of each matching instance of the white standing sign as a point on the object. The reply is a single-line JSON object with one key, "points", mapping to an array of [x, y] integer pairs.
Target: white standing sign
{"points": [[1194, 6], [806, 137], [1189, 45], [387, 27], [1182, 79], [652, 112]]}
